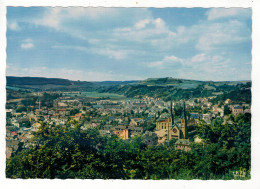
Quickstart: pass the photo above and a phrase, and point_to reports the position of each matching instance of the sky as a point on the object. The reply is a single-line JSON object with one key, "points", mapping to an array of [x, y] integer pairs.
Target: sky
{"points": [[98, 44]]}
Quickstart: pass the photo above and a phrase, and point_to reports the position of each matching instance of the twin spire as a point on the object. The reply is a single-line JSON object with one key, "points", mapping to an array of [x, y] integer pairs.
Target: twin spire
{"points": [[184, 112], [172, 113]]}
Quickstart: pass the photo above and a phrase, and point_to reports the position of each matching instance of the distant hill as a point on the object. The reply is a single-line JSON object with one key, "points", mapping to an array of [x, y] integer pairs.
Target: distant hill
{"points": [[11, 80], [168, 81], [185, 83], [167, 88], [164, 88], [106, 83]]}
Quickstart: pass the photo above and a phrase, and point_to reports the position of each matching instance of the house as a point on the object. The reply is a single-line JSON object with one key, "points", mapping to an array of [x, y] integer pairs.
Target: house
{"points": [[14, 134], [36, 126], [136, 121], [77, 116], [93, 125], [62, 105], [247, 111], [218, 111], [197, 139], [8, 152], [237, 110], [182, 144], [61, 112], [194, 118], [123, 134], [119, 127], [135, 130], [105, 133], [206, 118], [228, 101]]}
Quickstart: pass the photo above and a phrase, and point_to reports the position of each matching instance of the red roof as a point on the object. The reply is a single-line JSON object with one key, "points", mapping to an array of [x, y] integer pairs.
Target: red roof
{"points": [[14, 133]]}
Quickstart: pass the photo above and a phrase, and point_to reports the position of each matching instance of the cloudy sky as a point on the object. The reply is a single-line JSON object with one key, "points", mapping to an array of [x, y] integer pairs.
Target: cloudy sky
{"points": [[96, 44]]}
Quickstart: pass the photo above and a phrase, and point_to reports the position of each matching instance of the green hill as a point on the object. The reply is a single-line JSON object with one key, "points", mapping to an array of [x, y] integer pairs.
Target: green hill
{"points": [[164, 88], [11, 80]]}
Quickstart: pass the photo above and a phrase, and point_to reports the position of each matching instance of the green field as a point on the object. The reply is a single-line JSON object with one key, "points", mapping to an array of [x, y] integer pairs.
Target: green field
{"points": [[103, 95]]}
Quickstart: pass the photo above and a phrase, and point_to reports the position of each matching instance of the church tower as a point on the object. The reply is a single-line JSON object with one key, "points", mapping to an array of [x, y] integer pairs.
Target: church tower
{"points": [[172, 113], [184, 123]]}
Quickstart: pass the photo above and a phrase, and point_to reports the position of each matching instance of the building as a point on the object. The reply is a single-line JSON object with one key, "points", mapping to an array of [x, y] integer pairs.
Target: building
{"points": [[194, 118], [135, 131], [164, 121], [206, 118], [182, 144], [228, 101], [123, 134], [166, 129], [237, 110], [136, 121]]}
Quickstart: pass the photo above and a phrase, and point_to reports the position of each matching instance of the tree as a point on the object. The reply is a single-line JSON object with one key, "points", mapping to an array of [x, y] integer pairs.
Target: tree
{"points": [[165, 111], [74, 111], [178, 110], [148, 126], [227, 110], [69, 152], [21, 109]]}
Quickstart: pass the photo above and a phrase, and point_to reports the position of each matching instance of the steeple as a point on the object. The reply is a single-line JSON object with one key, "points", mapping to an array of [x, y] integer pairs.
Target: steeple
{"points": [[172, 113], [184, 112], [184, 127]]}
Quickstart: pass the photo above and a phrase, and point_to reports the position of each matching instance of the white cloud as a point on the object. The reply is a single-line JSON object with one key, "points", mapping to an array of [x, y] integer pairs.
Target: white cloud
{"points": [[55, 17], [201, 66], [218, 13], [154, 30], [113, 54], [51, 19], [66, 73], [67, 19], [213, 67], [12, 25], [173, 59], [152, 33], [167, 62], [27, 45], [218, 35], [210, 65], [199, 58], [142, 24], [155, 64], [28, 40]]}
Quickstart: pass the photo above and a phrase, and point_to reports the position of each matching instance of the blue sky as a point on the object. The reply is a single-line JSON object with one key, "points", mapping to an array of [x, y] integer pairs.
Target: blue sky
{"points": [[97, 44]]}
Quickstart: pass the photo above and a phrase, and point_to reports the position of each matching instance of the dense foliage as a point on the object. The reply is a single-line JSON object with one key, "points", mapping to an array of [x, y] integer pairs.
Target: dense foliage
{"points": [[237, 93], [69, 152]]}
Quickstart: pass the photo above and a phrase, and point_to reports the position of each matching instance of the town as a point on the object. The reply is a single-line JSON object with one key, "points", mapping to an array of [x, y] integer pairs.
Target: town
{"points": [[158, 121]]}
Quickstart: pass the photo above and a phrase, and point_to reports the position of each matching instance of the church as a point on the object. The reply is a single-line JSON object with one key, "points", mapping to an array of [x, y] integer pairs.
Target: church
{"points": [[167, 129]]}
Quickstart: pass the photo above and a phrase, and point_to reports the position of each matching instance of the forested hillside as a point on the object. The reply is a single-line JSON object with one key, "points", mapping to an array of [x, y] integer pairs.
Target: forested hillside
{"points": [[165, 88], [36, 81]]}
